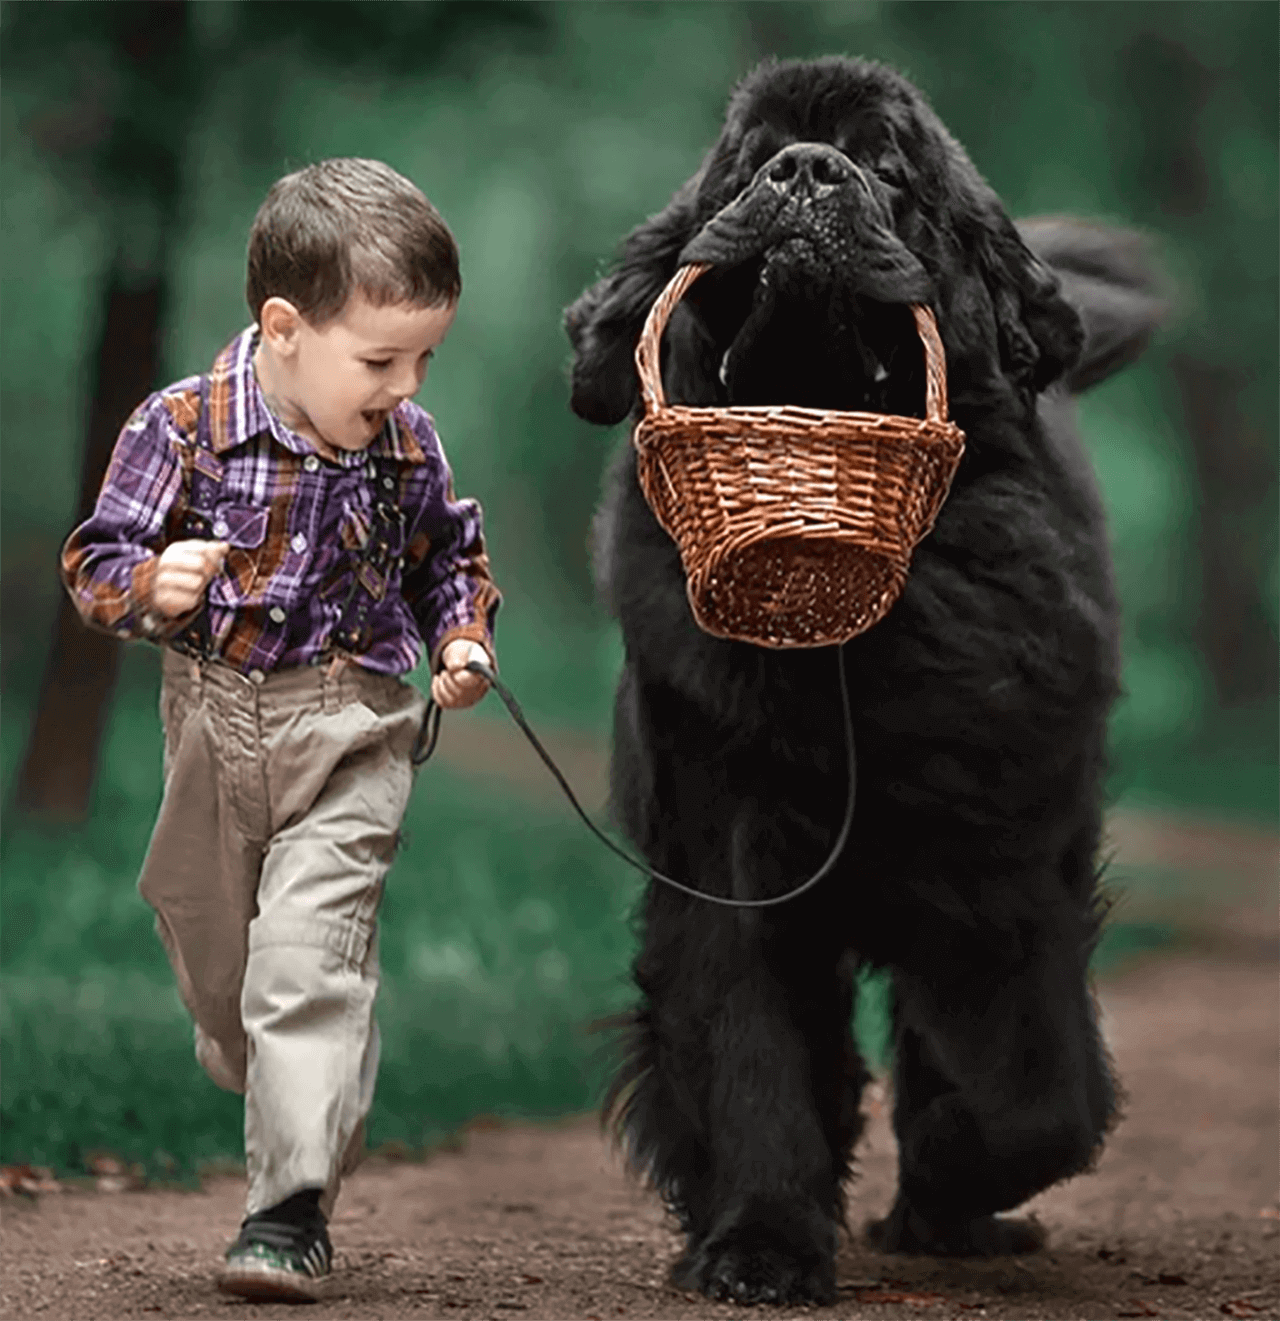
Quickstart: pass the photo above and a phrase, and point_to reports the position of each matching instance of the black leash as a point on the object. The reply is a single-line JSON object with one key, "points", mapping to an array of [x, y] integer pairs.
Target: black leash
{"points": [[430, 732]]}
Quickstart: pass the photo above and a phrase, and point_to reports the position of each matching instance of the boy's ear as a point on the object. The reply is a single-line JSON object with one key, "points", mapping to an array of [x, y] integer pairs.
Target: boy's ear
{"points": [[280, 322], [604, 323]]}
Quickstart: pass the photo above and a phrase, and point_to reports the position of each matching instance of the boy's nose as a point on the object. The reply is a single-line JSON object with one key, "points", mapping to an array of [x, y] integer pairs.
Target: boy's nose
{"points": [[408, 382]]}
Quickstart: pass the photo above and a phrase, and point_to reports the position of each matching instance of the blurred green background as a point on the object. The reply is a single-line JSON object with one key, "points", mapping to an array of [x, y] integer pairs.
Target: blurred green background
{"points": [[138, 140]]}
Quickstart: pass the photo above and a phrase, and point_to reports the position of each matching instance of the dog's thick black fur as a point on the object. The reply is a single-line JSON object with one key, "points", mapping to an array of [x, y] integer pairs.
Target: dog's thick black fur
{"points": [[833, 199]]}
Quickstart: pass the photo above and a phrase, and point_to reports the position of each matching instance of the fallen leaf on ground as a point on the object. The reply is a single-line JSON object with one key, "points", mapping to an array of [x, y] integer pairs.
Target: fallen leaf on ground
{"points": [[28, 1180], [112, 1175], [893, 1296]]}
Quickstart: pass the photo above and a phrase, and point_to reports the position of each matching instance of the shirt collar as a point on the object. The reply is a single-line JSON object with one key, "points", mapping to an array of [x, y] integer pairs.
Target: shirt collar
{"points": [[238, 412]]}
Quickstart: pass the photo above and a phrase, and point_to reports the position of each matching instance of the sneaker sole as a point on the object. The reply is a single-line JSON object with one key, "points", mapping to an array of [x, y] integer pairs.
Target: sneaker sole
{"points": [[258, 1280]]}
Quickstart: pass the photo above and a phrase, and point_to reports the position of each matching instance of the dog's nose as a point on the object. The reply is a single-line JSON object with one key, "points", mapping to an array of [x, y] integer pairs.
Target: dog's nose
{"points": [[811, 166]]}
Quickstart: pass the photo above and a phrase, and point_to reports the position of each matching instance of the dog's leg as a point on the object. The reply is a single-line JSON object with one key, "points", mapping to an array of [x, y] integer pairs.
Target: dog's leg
{"points": [[656, 1103], [778, 1056], [1002, 1088], [738, 1097], [781, 1082]]}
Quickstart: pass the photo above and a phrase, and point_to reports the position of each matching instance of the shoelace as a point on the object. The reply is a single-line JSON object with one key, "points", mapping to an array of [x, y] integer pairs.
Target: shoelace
{"points": [[430, 732]]}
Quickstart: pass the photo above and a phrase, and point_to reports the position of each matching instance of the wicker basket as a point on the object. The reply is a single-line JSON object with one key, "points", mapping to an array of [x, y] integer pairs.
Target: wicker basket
{"points": [[795, 525]]}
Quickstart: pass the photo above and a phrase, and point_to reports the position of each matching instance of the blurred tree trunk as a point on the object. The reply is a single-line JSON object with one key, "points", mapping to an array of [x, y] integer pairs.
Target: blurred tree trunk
{"points": [[80, 671], [1234, 457], [140, 171], [1237, 477]]}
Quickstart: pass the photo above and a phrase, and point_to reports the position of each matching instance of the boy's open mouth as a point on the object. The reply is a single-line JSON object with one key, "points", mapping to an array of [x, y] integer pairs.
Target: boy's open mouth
{"points": [[375, 417]]}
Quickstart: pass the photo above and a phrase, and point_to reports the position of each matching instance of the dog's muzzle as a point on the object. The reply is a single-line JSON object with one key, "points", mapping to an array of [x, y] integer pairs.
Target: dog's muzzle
{"points": [[812, 200]]}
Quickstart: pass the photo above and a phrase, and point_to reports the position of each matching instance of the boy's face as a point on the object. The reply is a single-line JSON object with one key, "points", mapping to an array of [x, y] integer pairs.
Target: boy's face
{"points": [[337, 382]]}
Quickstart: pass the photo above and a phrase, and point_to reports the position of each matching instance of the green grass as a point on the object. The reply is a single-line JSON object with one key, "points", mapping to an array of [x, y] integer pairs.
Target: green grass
{"points": [[103, 1061], [506, 930]]}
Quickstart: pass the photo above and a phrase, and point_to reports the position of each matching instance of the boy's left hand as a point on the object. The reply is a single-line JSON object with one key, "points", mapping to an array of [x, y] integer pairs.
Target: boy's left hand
{"points": [[455, 687]]}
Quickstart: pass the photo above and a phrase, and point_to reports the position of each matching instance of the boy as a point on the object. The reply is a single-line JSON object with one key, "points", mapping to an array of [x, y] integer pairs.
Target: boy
{"points": [[286, 528]]}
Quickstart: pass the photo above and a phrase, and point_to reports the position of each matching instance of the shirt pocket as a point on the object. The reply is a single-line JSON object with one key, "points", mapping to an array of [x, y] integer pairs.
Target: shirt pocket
{"points": [[244, 528]]}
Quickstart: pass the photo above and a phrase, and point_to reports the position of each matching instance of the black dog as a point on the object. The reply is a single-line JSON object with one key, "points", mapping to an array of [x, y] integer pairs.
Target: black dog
{"points": [[834, 199]]}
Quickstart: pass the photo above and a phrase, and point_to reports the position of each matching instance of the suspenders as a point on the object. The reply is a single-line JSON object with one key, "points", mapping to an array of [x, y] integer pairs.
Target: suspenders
{"points": [[196, 639], [381, 555]]}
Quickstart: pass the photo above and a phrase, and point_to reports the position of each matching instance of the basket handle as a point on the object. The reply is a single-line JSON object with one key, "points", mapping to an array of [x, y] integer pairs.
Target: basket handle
{"points": [[648, 360]]}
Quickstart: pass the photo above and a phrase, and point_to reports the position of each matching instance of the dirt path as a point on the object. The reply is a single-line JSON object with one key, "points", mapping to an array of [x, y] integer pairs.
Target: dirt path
{"points": [[1180, 1219]]}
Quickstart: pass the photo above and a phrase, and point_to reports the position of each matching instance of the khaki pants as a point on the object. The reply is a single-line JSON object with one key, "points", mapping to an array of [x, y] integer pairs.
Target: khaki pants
{"points": [[282, 803]]}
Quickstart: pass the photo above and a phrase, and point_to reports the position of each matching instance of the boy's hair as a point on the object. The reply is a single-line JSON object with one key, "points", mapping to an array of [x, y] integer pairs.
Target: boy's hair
{"points": [[348, 224]]}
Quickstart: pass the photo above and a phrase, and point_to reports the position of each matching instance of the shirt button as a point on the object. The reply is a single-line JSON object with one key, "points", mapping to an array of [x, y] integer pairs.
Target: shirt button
{"points": [[277, 614], [299, 543], [311, 463], [257, 676], [220, 529]]}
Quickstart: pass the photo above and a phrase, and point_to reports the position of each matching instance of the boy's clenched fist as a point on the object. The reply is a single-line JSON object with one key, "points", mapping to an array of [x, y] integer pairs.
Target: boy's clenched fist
{"points": [[456, 687], [183, 573]]}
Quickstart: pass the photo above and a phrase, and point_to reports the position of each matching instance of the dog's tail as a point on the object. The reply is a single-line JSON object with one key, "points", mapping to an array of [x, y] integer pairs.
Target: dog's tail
{"points": [[1111, 278]]}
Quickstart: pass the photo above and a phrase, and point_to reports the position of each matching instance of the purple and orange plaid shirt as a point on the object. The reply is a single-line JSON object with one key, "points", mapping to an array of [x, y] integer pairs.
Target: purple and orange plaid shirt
{"points": [[296, 524]]}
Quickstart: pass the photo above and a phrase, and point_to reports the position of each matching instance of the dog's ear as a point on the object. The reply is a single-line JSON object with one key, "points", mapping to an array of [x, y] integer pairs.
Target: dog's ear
{"points": [[604, 323], [1040, 332], [1112, 277]]}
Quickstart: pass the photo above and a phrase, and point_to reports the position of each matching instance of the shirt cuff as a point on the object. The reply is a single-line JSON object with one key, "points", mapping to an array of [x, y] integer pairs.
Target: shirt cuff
{"points": [[467, 633]]}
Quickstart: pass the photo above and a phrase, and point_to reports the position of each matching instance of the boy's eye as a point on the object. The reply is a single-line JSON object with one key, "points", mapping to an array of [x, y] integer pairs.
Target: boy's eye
{"points": [[378, 364]]}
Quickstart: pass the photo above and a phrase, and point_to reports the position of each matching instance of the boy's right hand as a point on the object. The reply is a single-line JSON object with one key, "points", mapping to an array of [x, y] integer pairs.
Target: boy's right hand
{"points": [[184, 571]]}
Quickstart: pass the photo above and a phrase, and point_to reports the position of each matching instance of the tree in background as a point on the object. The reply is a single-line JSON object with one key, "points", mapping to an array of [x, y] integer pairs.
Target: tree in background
{"points": [[1202, 186], [136, 156]]}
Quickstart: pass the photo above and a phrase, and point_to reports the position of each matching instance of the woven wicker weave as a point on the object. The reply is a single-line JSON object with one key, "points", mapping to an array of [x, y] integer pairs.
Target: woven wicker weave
{"points": [[795, 525]]}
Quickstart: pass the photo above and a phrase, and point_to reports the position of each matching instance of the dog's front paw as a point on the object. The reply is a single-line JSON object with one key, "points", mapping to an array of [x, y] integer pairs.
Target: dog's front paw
{"points": [[738, 1273], [766, 1257], [904, 1229]]}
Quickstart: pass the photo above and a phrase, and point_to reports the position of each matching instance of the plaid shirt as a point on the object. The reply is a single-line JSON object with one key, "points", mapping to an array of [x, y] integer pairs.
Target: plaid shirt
{"points": [[296, 524]]}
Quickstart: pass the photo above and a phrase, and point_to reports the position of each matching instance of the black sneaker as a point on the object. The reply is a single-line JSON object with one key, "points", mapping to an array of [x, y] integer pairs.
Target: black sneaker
{"points": [[283, 1254]]}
